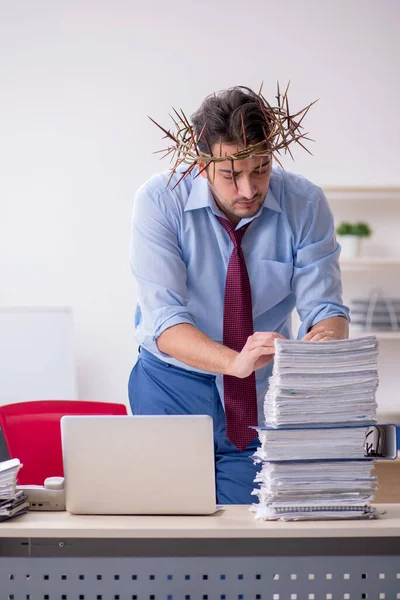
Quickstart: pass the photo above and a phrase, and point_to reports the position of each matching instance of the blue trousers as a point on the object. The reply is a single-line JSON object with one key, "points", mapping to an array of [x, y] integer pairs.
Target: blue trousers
{"points": [[157, 388]]}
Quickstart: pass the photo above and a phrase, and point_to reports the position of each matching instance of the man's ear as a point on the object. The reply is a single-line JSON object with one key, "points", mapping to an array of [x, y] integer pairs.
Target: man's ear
{"points": [[209, 172], [202, 170]]}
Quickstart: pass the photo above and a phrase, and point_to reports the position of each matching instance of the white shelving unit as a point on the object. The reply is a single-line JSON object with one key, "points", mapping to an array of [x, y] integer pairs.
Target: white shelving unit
{"points": [[362, 194], [368, 263], [378, 267], [380, 335]]}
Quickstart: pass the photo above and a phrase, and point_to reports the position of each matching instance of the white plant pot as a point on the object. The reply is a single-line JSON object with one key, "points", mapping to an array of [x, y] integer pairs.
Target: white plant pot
{"points": [[351, 246]]}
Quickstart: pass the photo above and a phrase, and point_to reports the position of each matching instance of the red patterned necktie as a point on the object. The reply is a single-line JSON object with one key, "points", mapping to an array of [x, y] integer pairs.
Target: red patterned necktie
{"points": [[240, 396]]}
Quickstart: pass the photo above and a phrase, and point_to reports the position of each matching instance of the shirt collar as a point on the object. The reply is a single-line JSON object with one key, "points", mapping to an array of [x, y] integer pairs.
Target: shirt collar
{"points": [[200, 196]]}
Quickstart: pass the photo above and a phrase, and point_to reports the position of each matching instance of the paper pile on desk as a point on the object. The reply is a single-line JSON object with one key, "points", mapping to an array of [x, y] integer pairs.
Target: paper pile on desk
{"points": [[323, 382], [327, 443], [315, 490], [313, 447], [12, 502]]}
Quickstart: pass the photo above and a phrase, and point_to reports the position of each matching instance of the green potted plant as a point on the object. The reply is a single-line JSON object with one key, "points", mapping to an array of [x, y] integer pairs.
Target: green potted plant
{"points": [[349, 237]]}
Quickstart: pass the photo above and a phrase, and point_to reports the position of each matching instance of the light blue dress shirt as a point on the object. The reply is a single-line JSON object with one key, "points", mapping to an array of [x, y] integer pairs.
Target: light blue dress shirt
{"points": [[180, 253]]}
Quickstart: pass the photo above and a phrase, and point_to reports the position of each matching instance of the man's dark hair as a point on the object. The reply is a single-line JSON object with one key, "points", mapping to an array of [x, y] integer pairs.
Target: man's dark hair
{"points": [[223, 114]]}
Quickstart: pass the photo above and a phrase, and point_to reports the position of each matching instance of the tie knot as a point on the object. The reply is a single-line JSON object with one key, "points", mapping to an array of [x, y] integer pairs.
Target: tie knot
{"points": [[236, 235]]}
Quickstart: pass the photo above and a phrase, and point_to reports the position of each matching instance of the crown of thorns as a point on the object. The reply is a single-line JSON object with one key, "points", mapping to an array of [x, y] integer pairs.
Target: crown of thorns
{"points": [[281, 129]]}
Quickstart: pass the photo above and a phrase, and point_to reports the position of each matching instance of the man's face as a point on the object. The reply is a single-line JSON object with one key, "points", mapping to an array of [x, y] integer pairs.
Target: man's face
{"points": [[242, 195]]}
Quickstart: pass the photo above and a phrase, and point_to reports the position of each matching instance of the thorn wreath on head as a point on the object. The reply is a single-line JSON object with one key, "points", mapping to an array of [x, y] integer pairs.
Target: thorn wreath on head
{"points": [[280, 131]]}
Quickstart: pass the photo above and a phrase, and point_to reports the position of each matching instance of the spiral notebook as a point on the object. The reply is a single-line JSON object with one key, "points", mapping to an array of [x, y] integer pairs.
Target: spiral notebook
{"points": [[329, 512]]}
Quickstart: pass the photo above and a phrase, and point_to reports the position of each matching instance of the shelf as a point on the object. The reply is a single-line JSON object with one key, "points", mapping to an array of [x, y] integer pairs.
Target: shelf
{"points": [[364, 263], [380, 335], [362, 194]]}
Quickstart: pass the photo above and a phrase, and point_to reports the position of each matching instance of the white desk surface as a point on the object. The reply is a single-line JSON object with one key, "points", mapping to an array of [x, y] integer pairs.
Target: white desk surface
{"points": [[235, 521]]}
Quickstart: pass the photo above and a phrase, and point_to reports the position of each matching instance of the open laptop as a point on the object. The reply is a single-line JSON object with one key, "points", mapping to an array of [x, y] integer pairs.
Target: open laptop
{"points": [[139, 464]]}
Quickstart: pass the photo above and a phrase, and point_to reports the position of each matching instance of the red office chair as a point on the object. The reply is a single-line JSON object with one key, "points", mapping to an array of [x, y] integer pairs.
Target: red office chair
{"points": [[32, 433]]}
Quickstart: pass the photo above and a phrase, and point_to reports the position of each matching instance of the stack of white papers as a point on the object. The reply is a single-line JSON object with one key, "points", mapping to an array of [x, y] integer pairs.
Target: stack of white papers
{"points": [[317, 490], [323, 382], [320, 403], [8, 478], [314, 444], [12, 502]]}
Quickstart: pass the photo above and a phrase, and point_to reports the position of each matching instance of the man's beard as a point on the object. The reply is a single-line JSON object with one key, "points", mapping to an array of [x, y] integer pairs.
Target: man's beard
{"points": [[237, 210]]}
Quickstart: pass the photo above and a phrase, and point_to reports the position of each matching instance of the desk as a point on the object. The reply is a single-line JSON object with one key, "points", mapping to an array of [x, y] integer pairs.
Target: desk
{"points": [[226, 556]]}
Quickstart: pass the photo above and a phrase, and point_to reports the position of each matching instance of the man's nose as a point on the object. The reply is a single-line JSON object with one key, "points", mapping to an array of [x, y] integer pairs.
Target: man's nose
{"points": [[247, 189]]}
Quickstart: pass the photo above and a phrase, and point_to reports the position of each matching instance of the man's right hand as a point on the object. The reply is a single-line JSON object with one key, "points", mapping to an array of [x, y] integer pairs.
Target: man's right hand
{"points": [[258, 351], [193, 347]]}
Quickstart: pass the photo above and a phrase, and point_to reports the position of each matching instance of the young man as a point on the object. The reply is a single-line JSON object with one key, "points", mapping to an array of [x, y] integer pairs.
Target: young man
{"points": [[222, 253]]}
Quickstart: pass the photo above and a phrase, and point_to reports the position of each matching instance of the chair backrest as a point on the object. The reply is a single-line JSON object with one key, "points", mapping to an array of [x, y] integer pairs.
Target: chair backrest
{"points": [[32, 433]]}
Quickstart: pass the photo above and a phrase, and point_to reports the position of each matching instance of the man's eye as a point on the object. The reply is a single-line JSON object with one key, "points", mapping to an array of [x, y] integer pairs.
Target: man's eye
{"points": [[260, 172], [227, 177]]}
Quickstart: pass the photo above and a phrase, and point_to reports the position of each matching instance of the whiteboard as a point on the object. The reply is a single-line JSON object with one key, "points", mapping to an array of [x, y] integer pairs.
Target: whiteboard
{"points": [[36, 355]]}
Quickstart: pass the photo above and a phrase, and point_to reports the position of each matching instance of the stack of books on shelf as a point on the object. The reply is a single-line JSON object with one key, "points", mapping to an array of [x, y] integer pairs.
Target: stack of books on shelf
{"points": [[320, 433], [13, 502]]}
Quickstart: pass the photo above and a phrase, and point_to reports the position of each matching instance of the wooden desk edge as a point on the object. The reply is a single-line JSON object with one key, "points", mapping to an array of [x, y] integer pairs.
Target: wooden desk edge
{"points": [[231, 522]]}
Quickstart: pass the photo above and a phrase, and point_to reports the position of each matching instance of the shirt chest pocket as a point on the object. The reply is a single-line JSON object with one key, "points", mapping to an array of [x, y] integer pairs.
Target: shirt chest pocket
{"points": [[273, 284]]}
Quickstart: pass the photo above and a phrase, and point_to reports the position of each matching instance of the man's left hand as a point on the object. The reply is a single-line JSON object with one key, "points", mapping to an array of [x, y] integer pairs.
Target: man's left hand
{"points": [[334, 328], [321, 334]]}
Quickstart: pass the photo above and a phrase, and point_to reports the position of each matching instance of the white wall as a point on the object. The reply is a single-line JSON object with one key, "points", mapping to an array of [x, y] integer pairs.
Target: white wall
{"points": [[36, 355], [77, 81]]}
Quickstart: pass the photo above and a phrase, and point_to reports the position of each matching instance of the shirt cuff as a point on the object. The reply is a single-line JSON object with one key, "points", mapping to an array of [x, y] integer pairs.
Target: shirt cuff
{"points": [[175, 319]]}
